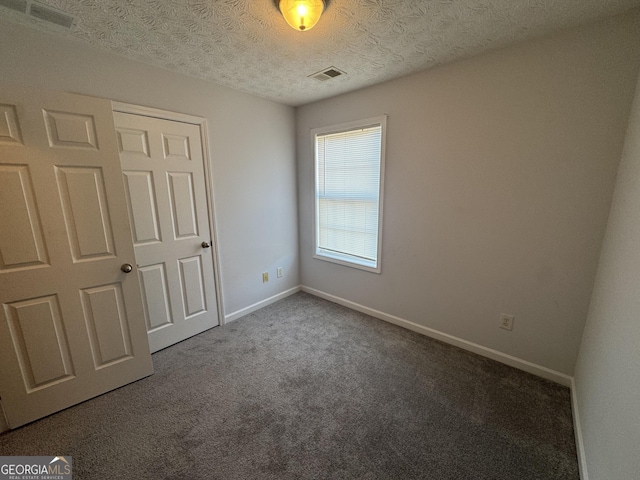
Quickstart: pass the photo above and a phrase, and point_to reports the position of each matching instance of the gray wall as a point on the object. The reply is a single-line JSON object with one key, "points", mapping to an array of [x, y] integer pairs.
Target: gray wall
{"points": [[499, 175], [607, 376], [252, 148]]}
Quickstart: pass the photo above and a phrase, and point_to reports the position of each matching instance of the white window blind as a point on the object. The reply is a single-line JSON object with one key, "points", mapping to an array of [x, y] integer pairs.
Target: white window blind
{"points": [[348, 195]]}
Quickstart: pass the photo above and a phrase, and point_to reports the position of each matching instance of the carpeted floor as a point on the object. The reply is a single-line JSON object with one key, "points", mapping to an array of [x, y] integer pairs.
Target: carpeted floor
{"points": [[305, 389]]}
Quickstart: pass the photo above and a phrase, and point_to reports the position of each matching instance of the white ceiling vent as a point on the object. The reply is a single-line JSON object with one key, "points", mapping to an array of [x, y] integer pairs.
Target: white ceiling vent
{"points": [[327, 74], [40, 11], [51, 15], [17, 5]]}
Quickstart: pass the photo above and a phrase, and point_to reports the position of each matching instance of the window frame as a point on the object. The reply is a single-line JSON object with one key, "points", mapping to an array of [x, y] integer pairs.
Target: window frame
{"points": [[341, 258]]}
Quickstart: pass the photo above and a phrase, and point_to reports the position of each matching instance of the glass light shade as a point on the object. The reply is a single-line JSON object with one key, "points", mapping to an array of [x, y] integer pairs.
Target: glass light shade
{"points": [[301, 14]]}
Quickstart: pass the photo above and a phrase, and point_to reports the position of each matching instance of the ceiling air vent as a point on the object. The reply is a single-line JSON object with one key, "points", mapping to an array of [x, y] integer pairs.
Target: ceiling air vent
{"points": [[40, 11], [17, 5], [50, 15], [328, 74]]}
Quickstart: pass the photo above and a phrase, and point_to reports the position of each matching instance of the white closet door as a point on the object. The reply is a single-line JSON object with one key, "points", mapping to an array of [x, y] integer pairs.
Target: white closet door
{"points": [[71, 321], [162, 164]]}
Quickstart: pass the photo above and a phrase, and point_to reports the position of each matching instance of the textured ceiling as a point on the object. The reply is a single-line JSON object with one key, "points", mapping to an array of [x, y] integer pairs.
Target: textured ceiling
{"points": [[246, 44]]}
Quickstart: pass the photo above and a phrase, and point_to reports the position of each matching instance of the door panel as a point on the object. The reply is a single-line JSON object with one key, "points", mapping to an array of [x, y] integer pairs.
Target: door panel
{"points": [[107, 324], [176, 147], [162, 163], [142, 207], [40, 340], [155, 293], [84, 205], [133, 141], [71, 322], [21, 242], [71, 130], [192, 286], [9, 128], [183, 205]]}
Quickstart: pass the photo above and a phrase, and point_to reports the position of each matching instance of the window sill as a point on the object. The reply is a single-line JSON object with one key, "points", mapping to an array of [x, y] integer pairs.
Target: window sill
{"points": [[348, 261]]}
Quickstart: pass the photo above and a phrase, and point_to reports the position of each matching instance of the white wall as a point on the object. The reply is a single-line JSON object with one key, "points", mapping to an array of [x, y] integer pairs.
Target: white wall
{"points": [[499, 174], [607, 376], [252, 148]]}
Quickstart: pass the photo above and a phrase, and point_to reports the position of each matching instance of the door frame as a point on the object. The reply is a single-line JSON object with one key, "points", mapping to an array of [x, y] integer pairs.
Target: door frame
{"points": [[203, 125]]}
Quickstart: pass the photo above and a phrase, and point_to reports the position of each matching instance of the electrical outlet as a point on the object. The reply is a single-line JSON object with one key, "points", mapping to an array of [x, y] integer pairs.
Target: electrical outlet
{"points": [[506, 321], [265, 277], [279, 272]]}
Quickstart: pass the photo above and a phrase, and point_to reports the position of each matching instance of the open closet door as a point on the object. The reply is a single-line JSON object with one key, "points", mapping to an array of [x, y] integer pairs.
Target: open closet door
{"points": [[71, 315]]}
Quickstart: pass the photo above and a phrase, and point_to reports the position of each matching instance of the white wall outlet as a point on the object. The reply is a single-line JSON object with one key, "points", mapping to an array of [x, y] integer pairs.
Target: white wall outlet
{"points": [[265, 277], [279, 272], [506, 321]]}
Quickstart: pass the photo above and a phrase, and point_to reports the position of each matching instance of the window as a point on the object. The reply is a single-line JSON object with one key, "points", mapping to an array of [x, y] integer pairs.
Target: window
{"points": [[349, 170]]}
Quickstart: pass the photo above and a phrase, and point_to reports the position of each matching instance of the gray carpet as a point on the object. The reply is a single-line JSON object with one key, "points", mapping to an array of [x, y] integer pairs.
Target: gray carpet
{"points": [[305, 389]]}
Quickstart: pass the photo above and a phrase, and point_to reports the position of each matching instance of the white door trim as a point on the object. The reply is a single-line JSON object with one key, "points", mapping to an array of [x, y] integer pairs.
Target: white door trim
{"points": [[204, 137]]}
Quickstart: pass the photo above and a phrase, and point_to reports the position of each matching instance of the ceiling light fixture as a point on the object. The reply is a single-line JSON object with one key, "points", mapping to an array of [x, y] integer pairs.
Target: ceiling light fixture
{"points": [[301, 14]]}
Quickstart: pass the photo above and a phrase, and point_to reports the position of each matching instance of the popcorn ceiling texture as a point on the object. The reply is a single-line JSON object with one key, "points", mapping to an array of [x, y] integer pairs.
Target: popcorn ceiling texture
{"points": [[247, 45]]}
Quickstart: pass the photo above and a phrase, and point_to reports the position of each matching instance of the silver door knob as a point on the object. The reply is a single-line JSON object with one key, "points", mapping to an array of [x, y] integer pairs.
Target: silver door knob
{"points": [[205, 244], [126, 267]]}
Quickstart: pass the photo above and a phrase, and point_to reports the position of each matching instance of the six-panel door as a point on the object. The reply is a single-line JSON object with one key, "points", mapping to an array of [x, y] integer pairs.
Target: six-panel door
{"points": [[163, 171], [71, 322]]}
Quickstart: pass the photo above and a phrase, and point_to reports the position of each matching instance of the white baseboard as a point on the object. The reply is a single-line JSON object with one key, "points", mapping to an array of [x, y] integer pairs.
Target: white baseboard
{"points": [[258, 305], [577, 429], [512, 361]]}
